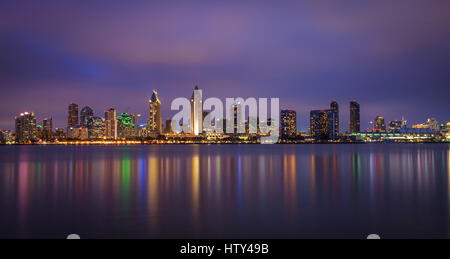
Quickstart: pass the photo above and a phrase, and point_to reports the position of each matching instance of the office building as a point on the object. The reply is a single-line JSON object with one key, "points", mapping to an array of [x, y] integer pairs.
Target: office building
{"points": [[154, 122], [26, 129], [196, 123], [110, 124], [334, 127], [288, 125], [72, 119], [379, 124], [355, 123]]}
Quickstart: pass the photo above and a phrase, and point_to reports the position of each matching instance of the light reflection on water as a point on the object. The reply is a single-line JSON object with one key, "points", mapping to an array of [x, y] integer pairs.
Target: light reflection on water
{"points": [[225, 191]]}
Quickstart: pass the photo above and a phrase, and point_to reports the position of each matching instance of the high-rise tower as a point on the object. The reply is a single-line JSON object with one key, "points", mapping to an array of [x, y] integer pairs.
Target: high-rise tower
{"points": [[154, 123], [355, 124]]}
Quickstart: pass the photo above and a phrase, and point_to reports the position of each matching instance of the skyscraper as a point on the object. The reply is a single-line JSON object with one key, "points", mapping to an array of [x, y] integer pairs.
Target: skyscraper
{"points": [[47, 128], [98, 128], [320, 124], [110, 124], [196, 112], [288, 126], [355, 124], [379, 124], [154, 123], [86, 117], [125, 126], [334, 127], [25, 127], [72, 119]]}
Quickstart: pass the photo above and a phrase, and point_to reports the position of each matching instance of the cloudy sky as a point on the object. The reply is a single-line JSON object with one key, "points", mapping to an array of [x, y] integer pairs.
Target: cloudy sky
{"points": [[393, 57]]}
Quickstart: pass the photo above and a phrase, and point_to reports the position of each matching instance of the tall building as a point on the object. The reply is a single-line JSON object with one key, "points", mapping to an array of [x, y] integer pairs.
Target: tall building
{"points": [[135, 121], [98, 128], [379, 124], [125, 126], [110, 124], [355, 123], [86, 117], [47, 128], [154, 123], [72, 119], [323, 124], [288, 125], [334, 127], [25, 127], [196, 114]]}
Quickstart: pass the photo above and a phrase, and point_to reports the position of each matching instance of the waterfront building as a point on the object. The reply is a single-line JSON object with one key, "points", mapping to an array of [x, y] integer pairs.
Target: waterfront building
{"points": [[77, 133], [26, 129], [6, 137], [143, 133], [334, 127], [355, 123], [98, 128], [323, 124], [395, 126], [135, 121], [379, 124], [47, 128], [125, 126], [110, 124], [431, 124], [196, 123], [72, 119], [154, 122], [288, 125]]}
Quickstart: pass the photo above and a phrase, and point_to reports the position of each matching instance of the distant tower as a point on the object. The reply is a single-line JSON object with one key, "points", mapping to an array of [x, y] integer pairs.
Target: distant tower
{"points": [[355, 124], [379, 124], [72, 119], [154, 123], [196, 113], [334, 124], [111, 124]]}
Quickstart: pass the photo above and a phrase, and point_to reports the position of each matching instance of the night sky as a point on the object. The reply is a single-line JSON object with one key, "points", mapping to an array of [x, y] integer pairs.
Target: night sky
{"points": [[393, 57]]}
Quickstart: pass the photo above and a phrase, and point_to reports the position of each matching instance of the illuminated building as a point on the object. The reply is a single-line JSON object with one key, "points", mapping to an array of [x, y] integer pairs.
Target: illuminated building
{"points": [[125, 126], [238, 122], [196, 123], [86, 116], [445, 127], [143, 133], [154, 122], [77, 133], [26, 127], [334, 127], [324, 123], [98, 128], [319, 121], [395, 126], [355, 123], [6, 137], [431, 124], [379, 124], [288, 125], [135, 121], [72, 119], [47, 128], [110, 124]]}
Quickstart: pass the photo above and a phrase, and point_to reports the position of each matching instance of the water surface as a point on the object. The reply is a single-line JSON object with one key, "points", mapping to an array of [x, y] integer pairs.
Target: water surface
{"points": [[225, 191]]}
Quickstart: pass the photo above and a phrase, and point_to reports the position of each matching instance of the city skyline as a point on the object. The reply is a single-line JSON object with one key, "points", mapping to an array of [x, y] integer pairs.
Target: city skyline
{"points": [[307, 54], [73, 116]]}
